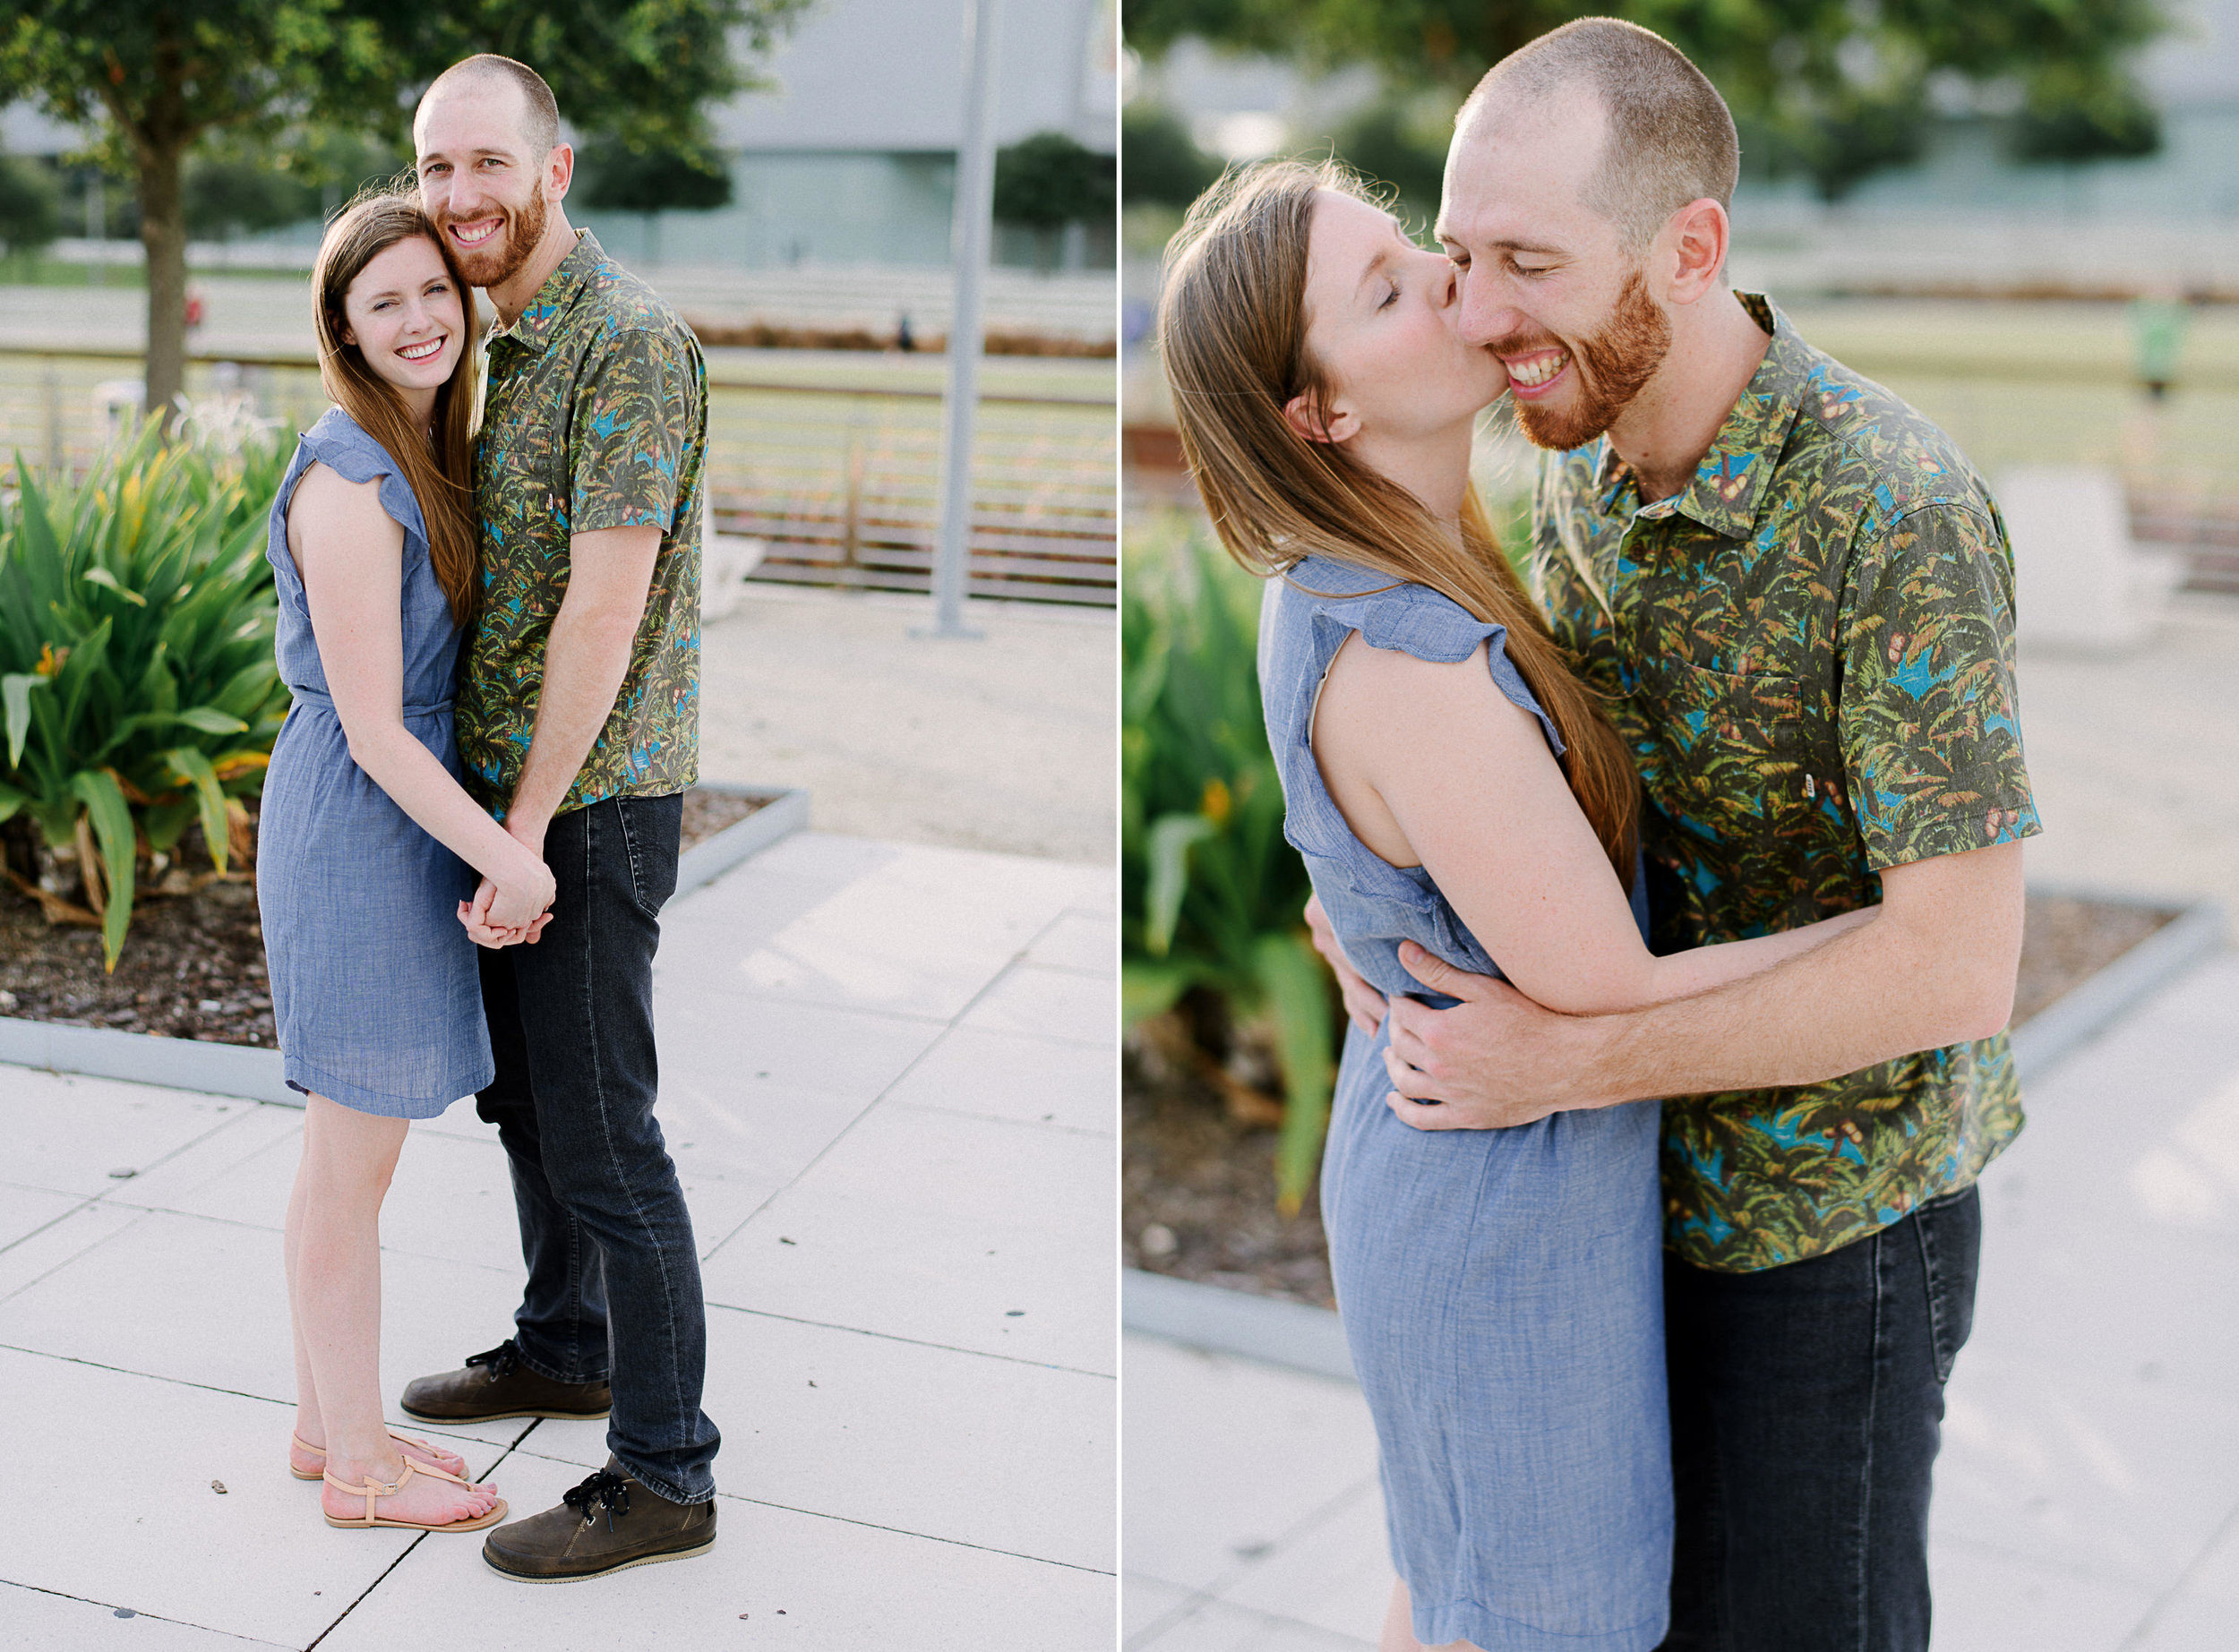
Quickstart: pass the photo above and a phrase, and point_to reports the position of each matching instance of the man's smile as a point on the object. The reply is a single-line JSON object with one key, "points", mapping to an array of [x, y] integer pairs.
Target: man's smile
{"points": [[476, 233], [1534, 373]]}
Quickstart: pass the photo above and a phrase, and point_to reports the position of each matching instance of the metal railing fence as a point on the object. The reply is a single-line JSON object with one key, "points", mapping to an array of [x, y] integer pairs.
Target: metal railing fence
{"points": [[840, 482]]}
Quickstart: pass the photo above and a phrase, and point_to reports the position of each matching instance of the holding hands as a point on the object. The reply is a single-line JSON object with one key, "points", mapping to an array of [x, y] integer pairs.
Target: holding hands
{"points": [[513, 909]]}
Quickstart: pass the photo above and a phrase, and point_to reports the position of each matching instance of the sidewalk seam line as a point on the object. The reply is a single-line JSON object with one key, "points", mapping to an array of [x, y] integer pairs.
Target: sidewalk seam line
{"points": [[944, 1348], [83, 1201], [845, 1130], [413, 1546], [254, 1640]]}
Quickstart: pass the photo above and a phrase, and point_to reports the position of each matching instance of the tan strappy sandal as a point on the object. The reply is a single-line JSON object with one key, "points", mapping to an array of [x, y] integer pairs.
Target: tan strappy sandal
{"points": [[374, 1489], [320, 1451]]}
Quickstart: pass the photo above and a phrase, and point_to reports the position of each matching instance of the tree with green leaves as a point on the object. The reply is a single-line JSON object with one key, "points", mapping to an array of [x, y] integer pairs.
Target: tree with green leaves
{"points": [[1834, 91], [1159, 161], [151, 79], [31, 210], [1051, 180]]}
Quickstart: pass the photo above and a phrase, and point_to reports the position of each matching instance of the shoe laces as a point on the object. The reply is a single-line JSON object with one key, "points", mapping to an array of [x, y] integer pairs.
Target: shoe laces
{"points": [[605, 1492], [500, 1359]]}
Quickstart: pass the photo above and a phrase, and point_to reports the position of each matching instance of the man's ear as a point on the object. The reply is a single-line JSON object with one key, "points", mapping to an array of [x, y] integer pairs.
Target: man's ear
{"points": [[1316, 422], [1700, 232], [559, 171]]}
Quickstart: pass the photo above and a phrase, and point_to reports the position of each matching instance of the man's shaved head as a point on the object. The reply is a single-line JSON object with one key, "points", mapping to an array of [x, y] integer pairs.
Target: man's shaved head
{"points": [[1667, 136], [540, 112]]}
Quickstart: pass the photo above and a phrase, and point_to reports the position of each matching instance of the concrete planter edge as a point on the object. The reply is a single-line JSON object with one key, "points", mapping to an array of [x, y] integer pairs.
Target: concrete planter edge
{"points": [[253, 1075], [1300, 1336]]}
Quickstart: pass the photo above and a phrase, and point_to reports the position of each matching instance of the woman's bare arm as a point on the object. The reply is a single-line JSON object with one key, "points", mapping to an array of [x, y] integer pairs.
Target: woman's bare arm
{"points": [[350, 553], [1432, 766]]}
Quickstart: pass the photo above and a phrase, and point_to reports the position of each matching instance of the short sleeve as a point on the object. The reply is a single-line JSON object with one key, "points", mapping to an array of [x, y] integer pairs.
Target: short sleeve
{"points": [[1926, 709], [636, 404]]}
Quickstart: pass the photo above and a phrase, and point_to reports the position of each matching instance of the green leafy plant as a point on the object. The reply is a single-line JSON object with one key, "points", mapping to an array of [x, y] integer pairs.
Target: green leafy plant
{"points": [[137, 688], [1211, 892]]}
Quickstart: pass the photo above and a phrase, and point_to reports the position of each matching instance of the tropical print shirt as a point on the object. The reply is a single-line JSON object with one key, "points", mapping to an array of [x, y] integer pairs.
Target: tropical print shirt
{"points": [[1810, 650], [595, 415]]}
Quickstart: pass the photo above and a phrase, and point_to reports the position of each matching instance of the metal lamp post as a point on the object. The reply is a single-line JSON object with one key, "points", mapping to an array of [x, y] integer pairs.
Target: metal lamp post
{"points": [[976, 200]]}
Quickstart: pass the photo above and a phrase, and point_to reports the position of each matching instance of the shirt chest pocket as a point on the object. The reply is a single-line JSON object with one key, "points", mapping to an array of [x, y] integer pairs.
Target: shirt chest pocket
{"points": [[1735, 742]]}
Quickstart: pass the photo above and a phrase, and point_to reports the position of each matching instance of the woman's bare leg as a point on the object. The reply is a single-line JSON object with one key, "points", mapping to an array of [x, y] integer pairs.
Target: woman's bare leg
{"points": [[1398, 1627], [310, 1427], [335, 1290]]}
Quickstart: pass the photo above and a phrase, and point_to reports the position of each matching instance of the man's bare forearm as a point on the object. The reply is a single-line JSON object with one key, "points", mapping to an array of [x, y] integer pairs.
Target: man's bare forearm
{"points": [[1867, 997], [586, 658]]}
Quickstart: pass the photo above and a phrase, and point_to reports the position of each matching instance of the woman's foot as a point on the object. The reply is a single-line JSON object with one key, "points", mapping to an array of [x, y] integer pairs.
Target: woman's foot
{"points": [[309, 1464], [423, 1499]]}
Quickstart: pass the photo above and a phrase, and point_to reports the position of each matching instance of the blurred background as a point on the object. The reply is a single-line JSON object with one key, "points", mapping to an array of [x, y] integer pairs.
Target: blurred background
{"points": [[793, 198], [784, 172], [2024, 219], [2025, 222]]}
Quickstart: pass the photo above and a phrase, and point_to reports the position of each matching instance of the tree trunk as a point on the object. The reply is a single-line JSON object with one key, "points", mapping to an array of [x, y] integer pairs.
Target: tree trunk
{"points": [[163, 233]]}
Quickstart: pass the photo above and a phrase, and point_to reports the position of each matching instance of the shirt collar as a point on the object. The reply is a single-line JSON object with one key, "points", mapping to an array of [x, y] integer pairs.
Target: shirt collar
{"points": [[1730, 486], [534, 327]]}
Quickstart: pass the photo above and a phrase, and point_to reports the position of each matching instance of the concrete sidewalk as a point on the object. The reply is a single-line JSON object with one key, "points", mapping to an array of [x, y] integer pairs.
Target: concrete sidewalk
{"points": [[2087, 1494], [1004, 742], [888, 1078]]}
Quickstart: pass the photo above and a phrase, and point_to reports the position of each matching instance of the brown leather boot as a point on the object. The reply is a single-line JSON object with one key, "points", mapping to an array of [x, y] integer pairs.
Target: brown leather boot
{"points": [[609, 1523], [495, 1383]]}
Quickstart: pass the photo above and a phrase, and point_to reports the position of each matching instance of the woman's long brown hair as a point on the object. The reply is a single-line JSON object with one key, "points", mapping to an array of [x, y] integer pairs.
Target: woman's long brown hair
{"points": [[440, 472], [1232, 333]]}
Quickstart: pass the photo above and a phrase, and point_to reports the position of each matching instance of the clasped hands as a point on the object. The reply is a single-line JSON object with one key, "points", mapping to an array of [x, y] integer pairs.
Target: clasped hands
{"points": [[511, 916], [1492, 1061]]}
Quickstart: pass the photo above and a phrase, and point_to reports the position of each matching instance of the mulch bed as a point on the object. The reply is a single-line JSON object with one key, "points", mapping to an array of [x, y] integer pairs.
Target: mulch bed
{"points": [[192, 966], [1197, 1188]]}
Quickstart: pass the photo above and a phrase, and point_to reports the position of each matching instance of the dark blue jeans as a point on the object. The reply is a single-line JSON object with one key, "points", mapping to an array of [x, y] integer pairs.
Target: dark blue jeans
{"points": [[1806, 1405], [603, 1216]]}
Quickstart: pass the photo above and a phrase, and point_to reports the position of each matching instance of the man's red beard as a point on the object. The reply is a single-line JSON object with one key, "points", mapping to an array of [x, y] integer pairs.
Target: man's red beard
{"points": [[1612, 367], [500, 257]]}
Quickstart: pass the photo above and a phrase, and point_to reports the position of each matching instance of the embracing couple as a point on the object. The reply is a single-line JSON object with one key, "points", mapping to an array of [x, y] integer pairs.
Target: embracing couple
{"points": [[1734, 810], [492, 643]]}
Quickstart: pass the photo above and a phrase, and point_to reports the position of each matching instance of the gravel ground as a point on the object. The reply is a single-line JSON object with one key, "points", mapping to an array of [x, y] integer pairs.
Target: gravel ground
{"points": [[1197, 1188], [1008, 743]]}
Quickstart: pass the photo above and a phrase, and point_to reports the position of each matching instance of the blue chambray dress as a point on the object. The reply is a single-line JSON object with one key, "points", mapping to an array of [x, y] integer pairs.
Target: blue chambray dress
{"points": [[1501, 1289], [375, 987]]}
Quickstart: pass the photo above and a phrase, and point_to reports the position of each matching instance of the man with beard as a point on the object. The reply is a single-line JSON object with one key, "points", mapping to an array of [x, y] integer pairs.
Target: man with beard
{"points": [[578, 723], [1797, 597]]}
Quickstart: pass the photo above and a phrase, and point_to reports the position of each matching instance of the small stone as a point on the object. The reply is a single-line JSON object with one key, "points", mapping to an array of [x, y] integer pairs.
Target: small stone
{"points": [[122, 1173], [1158, 1240], [126, 1612], [7, 1000], [218, 1486], [210, 1006]]}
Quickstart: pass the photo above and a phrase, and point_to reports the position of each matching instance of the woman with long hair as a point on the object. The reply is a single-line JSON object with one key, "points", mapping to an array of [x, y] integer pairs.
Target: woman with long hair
{"points": [[1448, 781], [368, 845]]}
